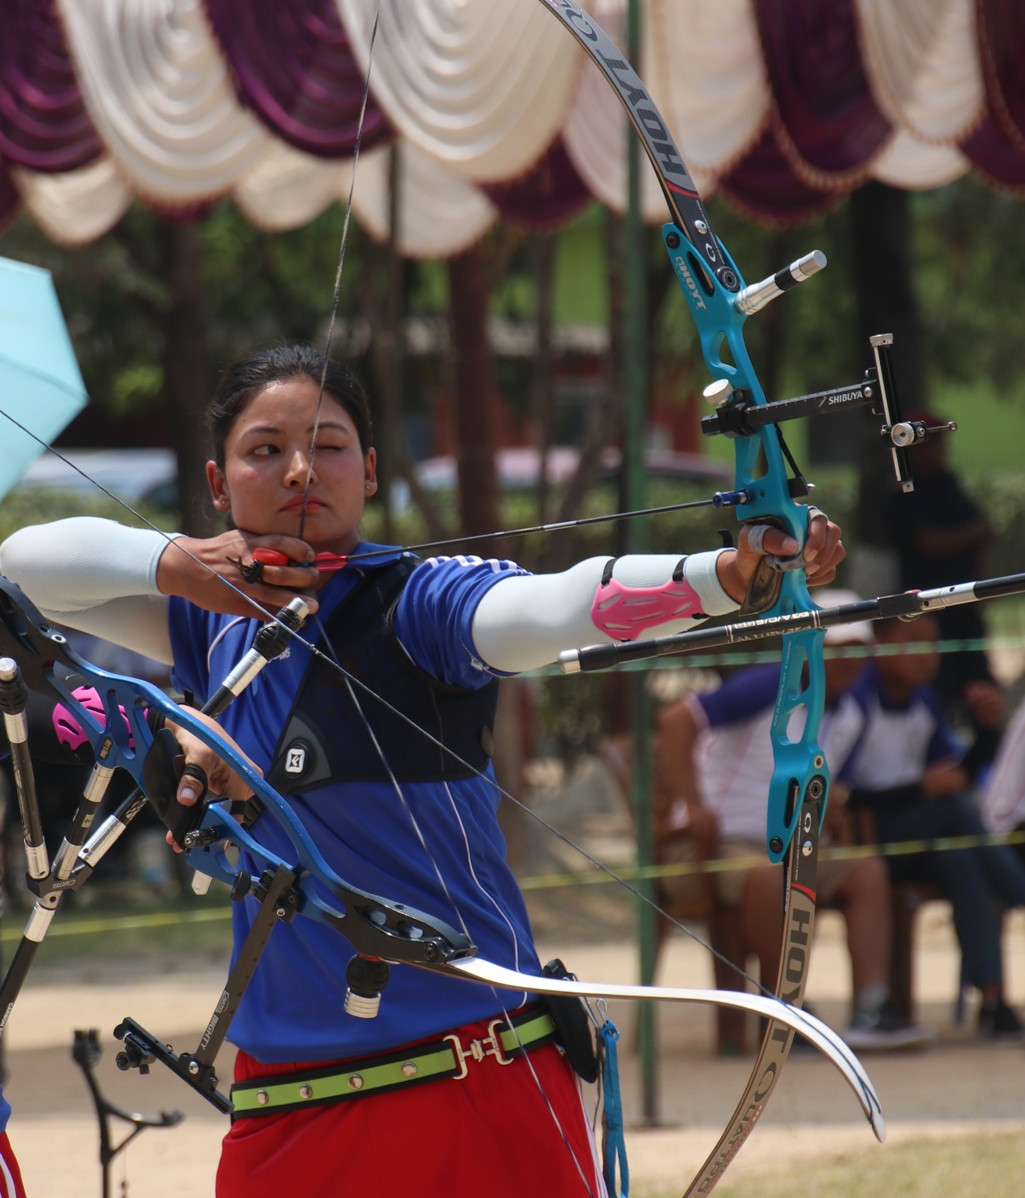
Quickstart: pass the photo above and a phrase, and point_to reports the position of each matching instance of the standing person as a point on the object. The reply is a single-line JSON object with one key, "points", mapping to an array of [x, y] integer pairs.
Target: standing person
{"points": [[907, 769], [941, 537], [293, 466], [713, 756]]}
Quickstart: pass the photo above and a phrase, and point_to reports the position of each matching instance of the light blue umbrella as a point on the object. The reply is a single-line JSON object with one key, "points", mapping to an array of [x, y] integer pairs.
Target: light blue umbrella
{"points": [[41, 387]]}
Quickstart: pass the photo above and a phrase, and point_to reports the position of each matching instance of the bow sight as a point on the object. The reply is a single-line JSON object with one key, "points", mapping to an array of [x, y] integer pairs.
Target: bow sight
{"points": [[738, 415]]}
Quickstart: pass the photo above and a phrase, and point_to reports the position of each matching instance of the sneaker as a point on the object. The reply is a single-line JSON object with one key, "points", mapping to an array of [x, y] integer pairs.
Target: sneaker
{"points": [[999, 1022], [884, 1028]]}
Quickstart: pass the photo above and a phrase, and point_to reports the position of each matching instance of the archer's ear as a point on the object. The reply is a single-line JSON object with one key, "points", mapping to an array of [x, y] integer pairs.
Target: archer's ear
{"points": [[370, 472], [218, 487]]}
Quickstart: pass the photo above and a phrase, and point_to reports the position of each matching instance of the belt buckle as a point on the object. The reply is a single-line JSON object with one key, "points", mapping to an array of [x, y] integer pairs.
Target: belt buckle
{"points": [[489, 1046]]}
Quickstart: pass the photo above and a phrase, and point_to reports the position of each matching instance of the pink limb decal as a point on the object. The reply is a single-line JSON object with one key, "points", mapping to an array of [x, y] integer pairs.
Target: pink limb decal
{"points": [[623, 612], [67, 728]]}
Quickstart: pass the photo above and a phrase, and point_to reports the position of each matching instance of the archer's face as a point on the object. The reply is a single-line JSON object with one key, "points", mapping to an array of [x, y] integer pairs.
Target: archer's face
{"points": [[267, 467]]}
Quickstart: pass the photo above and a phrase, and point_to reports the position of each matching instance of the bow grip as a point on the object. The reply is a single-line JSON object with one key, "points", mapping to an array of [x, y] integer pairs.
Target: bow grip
{"points": [[161, 772]]}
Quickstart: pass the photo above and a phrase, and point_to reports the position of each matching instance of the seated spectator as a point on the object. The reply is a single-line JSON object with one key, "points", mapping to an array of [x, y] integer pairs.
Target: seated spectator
{"points": [[713, 761], [1003, 799], [908, 770]]}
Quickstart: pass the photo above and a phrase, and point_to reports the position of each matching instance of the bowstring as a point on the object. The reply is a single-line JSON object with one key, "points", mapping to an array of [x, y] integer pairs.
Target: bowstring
{"points": [[349, 680], [262, 613], [352, 683], [339, 270]]}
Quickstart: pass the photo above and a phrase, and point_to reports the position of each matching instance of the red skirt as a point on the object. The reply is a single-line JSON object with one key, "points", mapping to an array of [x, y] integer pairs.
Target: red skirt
{"points": [[503, 1130], [11, 1185]]}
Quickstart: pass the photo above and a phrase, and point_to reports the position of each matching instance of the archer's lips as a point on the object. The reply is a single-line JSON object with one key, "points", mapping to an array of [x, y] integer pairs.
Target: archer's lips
{"points": [[303, 504]]}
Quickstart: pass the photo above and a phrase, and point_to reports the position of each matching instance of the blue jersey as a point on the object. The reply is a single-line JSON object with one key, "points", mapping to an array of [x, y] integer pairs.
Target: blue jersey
{"points": [[370, 832], [898, 741], [743, 695]]}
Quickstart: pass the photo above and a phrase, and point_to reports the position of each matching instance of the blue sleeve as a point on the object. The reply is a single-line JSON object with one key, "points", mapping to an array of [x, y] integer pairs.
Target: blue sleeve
{"points": [[188, 645], [743, 695], [434, 616], [205, 645]]}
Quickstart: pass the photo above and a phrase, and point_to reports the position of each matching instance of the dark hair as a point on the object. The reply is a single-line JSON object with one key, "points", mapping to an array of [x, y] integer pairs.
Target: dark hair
{"points": [[249, 376]]}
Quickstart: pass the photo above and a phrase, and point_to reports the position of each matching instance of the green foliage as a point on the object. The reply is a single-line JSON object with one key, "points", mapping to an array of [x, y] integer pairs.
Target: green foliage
{"points": [[41, 505], [258, 288], [136, 388], [970, 280]]}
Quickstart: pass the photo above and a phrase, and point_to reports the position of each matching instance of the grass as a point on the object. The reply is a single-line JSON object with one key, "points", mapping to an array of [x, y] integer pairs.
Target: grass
{"points": [[988, 1165], [125, 937]]}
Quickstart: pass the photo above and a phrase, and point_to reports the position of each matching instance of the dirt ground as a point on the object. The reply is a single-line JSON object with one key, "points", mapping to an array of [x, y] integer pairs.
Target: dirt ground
{"points": [[954, 1087]]}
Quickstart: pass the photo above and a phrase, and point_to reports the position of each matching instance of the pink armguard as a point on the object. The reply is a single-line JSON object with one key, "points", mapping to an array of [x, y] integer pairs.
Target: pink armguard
{"points": [[624, 612]]}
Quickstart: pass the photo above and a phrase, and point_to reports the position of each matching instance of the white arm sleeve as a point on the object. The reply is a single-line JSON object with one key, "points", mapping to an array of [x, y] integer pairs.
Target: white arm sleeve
{"points": [[525, 621], [94, 575]]}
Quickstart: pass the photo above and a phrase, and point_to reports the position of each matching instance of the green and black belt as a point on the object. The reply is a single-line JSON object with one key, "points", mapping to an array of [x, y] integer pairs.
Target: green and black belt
{"points": [[505, 1041]]}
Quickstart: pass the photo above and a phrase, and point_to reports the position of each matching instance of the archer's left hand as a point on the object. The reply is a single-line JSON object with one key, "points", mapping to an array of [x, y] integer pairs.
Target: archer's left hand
{"points": [[221, 779], [823, 551]]}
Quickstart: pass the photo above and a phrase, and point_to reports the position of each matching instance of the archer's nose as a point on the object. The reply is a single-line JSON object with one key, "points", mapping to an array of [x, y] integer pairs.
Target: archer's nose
{"points": [[300, 470]]}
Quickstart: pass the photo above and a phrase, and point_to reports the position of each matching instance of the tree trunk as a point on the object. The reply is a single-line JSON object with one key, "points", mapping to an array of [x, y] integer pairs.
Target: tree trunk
{"points": [[189, 374], [476, 393], [884, 287]]}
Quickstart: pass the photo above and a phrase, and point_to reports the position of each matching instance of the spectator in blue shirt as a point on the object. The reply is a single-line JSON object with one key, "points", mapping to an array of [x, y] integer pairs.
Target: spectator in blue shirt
{"points": [[908, 769], [714, 759]]}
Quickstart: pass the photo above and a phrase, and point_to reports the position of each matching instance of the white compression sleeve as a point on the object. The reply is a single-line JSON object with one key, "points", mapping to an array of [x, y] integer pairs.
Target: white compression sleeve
{"points": [[94, 575], [525, 621]]}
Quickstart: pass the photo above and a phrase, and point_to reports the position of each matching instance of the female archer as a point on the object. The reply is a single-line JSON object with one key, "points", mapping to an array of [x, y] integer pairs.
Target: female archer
{"points": [[11, 1185], [393, 810]]}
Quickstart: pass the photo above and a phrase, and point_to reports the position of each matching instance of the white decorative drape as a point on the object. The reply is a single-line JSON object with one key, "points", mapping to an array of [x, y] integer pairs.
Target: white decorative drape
{"points": [[476, 92]]}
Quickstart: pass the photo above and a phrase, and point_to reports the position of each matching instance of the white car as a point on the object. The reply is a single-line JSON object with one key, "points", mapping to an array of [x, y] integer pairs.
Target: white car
{"points": [[138, 476]]}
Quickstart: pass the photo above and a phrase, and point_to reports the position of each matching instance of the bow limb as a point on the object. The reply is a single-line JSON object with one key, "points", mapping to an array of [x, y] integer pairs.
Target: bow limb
{"points": [[710, 268], [800, 781], [713, 289], [776, 1010]]}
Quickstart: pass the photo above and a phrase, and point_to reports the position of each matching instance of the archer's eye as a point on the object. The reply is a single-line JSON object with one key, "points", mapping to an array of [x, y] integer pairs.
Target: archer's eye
{"points": [[264, 451]]}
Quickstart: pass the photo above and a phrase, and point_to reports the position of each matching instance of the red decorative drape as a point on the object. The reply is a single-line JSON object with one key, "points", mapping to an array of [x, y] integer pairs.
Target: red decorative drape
{"points": [[282, 88]]}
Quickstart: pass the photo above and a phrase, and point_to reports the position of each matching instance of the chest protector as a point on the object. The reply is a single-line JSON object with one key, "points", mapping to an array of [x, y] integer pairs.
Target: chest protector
{"points": [[327, 738]]}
